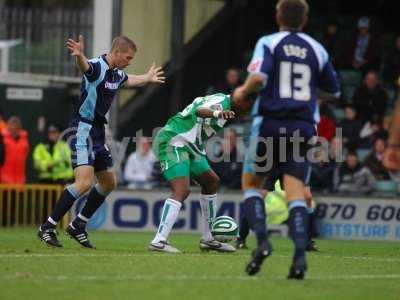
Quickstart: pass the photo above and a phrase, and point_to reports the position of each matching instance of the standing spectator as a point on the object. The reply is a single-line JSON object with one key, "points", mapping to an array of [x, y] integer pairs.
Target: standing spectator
{"points": [[229, 170], [331, 42], [15, 152], [351, 127], [232, 81], [52, 158], [391, 65], [353, 177], [139, 166], [374, 160], [370, 98], [364, 50]]}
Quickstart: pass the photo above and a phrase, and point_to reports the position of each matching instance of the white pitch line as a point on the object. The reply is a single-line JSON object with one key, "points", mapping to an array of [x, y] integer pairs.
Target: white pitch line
{"points": [[27, 276], [314, 256]]}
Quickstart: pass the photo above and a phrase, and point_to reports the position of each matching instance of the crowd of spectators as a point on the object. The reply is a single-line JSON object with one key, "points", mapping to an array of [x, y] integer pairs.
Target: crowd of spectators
{"points": [[356, 127]]}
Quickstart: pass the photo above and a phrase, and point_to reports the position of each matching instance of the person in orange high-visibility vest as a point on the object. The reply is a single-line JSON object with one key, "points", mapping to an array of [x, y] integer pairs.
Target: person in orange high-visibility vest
{"points": [[15, 148]]}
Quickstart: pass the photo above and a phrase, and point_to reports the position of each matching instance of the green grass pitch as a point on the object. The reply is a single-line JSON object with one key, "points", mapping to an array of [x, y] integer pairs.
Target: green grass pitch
{"points": [[122, 268]]}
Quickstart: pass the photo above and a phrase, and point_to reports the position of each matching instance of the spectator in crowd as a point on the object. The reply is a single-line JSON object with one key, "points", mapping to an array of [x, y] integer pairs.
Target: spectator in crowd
{"points": [[353, 177], [370, 98], [371, 131], [229, 169], [3, 123], [364, 50], [322, 172], [15, 148], [326, 165], [332, 44], [138, 173], [351, 127], [326, 126], [374, 160], [52, 158], [391, 65], [232, 81]]}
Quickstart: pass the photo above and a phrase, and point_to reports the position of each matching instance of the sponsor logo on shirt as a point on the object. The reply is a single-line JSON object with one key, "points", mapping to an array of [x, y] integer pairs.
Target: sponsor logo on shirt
{"points": [[111, 85]]}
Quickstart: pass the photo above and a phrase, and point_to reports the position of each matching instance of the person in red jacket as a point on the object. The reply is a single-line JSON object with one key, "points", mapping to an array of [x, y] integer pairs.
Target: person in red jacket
{"points": [[15, 148]]}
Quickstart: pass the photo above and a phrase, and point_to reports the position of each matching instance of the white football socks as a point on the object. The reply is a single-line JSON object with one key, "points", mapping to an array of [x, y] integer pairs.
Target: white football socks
{"points": [[208, 204], [168, 218]]}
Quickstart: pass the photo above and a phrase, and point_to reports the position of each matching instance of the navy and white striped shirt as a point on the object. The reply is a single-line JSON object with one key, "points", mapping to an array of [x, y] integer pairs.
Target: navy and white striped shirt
{"points": [[98, 89]]}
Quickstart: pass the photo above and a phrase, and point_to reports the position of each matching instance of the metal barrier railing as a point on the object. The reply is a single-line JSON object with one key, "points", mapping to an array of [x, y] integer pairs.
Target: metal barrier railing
{"points": [[28, 204]]}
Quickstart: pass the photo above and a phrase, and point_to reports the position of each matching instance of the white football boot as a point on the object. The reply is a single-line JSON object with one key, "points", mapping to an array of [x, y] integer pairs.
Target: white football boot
{"points": [[163, 246], [214, 245]]}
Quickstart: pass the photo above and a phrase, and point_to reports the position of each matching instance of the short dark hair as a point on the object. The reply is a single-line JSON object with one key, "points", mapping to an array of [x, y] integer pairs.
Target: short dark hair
{"points": [[292, 13], [123, 43], [352, 152]]}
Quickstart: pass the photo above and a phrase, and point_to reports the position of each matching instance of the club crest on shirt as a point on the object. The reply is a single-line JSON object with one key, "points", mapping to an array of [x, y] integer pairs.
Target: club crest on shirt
{"points": [[255, 66]]}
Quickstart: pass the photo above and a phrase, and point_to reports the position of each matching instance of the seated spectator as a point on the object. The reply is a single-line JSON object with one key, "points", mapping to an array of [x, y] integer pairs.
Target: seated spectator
{"points": [[322, 172], [353, 177], [232, 81], [370, 98], [374, 160], [332, 44], [363, 52], [138, 172], [351, 127], [229, 169], [391, 65], [15, 152], [326, 126], [52, 158], [371, 131]]}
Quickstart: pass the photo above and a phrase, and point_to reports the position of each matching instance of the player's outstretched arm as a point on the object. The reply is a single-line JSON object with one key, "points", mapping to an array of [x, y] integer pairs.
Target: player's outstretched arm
{"points": [[76, 48], [253, 84], [154, 75], [218, 114]]}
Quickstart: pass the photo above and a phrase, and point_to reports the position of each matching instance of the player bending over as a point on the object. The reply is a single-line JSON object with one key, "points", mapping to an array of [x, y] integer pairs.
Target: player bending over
{"points": [[286, 69], [179, 146], [102, 78]]}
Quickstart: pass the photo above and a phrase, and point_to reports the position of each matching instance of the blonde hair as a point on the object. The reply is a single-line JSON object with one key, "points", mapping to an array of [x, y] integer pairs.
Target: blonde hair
{"points": [[123, 43]]}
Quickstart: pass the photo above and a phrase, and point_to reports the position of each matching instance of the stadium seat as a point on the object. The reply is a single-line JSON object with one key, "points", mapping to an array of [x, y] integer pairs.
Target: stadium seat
{"points": [[386, 186], [339, 114], [362, 154], [350, 80]]}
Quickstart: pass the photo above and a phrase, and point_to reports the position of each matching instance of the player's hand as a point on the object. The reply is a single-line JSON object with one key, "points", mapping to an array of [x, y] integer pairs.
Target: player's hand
{"points": [[155, 74], [76, 47], [391, 159], [239, 94], [226, 115]]}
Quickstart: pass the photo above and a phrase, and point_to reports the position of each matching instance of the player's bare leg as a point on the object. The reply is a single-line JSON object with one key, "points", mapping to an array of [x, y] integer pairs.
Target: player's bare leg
{"points": [[180, 190], [209, 182], [298, 223]]}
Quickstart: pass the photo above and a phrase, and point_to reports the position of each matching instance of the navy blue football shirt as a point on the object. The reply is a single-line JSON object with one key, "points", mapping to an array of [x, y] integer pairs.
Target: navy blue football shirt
{"points": [[294, 66], [98, 89]]}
